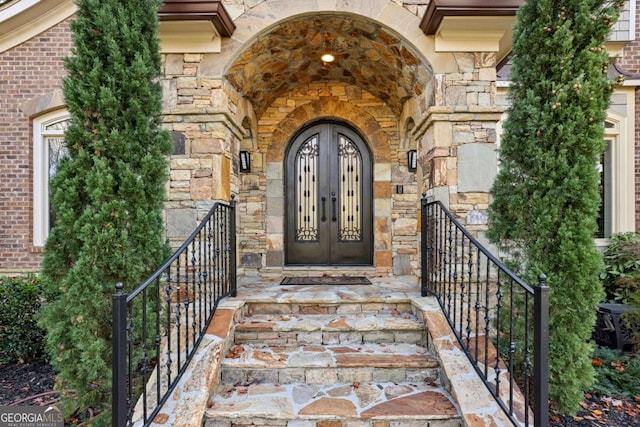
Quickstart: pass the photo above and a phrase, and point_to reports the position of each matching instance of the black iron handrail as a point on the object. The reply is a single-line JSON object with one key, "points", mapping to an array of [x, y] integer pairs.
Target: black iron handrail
{"points": [[158, 327], [500, 322]]}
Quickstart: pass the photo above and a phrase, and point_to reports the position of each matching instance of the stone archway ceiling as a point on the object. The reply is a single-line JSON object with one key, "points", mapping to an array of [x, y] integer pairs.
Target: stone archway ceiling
{"points": [[367, 55]]}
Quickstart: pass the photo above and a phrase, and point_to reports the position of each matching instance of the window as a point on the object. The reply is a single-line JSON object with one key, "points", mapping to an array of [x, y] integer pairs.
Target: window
{"points": [[605, 186], [48, 150], [617, 213]]}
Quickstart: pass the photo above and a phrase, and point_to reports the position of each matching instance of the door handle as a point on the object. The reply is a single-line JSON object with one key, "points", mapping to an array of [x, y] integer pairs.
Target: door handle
{"points": [[324, 216], [333, 204]]}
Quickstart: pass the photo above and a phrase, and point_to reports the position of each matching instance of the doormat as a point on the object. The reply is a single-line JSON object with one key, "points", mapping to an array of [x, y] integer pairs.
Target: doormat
{"points": [[346, 280]]}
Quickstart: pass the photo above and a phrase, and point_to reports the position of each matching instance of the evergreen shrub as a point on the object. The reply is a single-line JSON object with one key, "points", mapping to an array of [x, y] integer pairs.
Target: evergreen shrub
{"points": [[545, 196], [107, 195], [21, 339]]}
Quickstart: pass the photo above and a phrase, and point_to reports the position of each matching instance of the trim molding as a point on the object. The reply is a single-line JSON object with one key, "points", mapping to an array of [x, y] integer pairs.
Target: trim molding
{"points": [[471, 25], [198, 10], [439, 9], [26, 19]]}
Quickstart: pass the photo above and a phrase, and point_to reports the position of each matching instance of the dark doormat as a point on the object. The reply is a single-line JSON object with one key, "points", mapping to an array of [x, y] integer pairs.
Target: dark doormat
{"points": [[356, 280]]}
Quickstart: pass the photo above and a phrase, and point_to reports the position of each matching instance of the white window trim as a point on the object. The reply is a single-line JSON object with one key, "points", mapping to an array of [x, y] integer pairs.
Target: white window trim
{"points": [[623, 175], [41, 173]]}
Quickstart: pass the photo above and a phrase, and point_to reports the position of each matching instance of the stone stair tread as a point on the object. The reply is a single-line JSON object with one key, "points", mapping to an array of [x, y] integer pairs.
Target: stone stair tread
{"points": [[310, 294], [329, 322], [390, 355], [357, 400]]}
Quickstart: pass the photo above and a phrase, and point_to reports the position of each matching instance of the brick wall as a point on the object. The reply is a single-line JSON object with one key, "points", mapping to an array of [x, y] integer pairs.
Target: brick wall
{"points": [[637, 160], [630, 61], [28, 71]]}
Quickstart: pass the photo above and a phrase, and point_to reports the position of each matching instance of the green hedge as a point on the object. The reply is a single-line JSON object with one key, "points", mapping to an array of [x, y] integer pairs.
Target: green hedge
{"points": [[617, 373], [20, 337], [621, 275]]}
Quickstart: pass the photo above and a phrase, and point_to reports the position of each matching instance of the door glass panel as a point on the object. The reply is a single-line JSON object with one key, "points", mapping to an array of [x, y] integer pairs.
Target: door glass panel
{"points": [[350, 164], [306, 191]]}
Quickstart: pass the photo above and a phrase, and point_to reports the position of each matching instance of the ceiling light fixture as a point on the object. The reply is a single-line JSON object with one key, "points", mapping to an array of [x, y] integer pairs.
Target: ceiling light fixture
{"points": [[327, 57]]}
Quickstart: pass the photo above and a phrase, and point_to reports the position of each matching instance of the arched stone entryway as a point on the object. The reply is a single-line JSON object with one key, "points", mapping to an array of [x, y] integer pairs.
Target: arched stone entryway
{"points": [[387, 82], [377, 69]]}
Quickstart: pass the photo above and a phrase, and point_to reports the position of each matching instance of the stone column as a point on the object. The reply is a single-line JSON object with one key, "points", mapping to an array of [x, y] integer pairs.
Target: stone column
{"points": [[199, 114], [457, 138]]}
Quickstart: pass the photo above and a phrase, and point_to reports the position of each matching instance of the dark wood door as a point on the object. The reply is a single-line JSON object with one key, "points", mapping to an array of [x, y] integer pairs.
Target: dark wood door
{"points": [[329, 197]]}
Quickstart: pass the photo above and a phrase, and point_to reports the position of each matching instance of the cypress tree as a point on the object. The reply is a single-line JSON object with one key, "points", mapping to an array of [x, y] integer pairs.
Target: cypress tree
{"points": [[108, 193], [545, 197]]}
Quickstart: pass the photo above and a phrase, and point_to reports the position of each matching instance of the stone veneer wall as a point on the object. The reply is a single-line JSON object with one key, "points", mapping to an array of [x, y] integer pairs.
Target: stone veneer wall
{"points": [[261, 238], [199, 113], [238, 7], [457, 139]]}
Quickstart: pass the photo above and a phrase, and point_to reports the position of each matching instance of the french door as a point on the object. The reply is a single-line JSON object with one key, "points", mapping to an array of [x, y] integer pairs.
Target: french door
{"points": [[329, 197]]}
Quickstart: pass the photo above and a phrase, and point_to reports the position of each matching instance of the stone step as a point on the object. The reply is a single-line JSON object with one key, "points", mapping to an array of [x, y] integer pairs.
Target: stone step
{"points": [[329, 306], [377, 327], [340, 300], [309, 356], [315, 364], [363, 404]]}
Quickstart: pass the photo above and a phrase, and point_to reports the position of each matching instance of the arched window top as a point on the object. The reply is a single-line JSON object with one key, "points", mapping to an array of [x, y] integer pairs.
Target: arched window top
{"points": [[59, 125], [52, 123]]}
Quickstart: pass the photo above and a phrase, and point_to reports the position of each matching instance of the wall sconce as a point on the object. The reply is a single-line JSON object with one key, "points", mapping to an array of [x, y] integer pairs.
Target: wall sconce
{"points": [[412, 160], [245, 161]]}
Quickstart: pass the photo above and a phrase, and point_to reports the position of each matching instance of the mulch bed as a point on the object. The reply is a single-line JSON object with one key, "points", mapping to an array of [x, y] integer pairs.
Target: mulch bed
{"points": [[27, 384], [599, 412], [32, 384]]}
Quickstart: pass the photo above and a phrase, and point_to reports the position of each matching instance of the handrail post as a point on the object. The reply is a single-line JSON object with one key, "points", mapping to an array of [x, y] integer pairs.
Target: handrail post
{"points": [[424, 270], [233, 276], [119, 361], [541, 353]]}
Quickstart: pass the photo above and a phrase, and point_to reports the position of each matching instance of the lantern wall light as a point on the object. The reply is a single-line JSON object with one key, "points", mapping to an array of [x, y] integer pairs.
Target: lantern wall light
{"points": [[245, 161], [412, 160]]}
